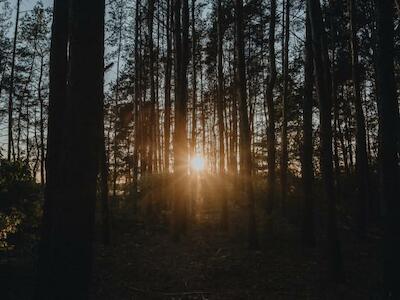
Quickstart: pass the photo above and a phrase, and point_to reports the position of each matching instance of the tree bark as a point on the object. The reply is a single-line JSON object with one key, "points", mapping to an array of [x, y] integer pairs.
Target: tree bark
{"points": [[167, 90], [73, 226], [389, 139], [220, 107], [41, 103], [181, 39], [323, 85], [307, 162], [246, 171], [284, 157], [56, 145], [10, 147], [269, 98], [361, 148]]}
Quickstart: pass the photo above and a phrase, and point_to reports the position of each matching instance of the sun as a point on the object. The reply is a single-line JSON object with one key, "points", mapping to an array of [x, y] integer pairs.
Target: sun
{"points": [[197, 163]]}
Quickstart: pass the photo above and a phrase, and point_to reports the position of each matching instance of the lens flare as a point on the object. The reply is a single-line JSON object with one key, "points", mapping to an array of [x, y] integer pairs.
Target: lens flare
{"points": [[197, 163]]}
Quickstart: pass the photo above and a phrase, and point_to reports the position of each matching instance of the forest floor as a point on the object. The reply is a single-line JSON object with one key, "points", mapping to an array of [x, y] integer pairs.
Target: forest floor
{"points": [[144, 263]]}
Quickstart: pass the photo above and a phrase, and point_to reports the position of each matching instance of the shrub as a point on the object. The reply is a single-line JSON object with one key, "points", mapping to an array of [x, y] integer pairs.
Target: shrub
{"points": [[20, 204]]}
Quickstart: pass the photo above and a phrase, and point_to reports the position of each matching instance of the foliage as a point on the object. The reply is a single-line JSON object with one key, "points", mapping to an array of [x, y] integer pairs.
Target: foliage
{"points": [[20, 203]]}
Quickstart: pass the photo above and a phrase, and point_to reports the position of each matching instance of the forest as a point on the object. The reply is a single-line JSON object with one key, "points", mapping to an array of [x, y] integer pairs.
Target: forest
{"points": [[199, 149]]}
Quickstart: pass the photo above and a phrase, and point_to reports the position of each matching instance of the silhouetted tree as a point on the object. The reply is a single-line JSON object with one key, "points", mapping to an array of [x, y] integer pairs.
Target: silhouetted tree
{"points": [[388, 122], [323, 85], [307, 161], [269, 98], [245, 147]]}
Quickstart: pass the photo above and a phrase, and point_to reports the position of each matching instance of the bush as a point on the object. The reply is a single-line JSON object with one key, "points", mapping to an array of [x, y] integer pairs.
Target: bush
{"points": [[20, 204]]}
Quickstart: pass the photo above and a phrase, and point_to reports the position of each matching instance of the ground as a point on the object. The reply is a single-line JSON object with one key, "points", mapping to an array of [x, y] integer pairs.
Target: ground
{"points": [[144, 263]]}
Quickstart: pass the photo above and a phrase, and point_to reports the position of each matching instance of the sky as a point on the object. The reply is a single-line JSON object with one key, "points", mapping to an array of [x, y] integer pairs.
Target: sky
{"points": [[28, 4]]}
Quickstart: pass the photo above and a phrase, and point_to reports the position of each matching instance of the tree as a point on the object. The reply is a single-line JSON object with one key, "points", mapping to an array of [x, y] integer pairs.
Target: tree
{"points": [[181, 38], [307, 161], [220, 108], [167, 88], [55, 165], [323, 85], [72, 204], [361, 144], [388, 113], [245, 148], [10, 147], [269, 98], [284, 157]]}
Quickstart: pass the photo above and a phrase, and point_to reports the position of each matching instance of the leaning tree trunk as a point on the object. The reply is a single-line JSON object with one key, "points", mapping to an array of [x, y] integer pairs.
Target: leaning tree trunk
{"points": [[389, 140]]}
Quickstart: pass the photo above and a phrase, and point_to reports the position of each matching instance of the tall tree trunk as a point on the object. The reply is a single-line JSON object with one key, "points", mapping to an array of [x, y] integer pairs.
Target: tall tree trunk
{"points": [[10, 147], [152, 144], [269, 98], [284, 157], [56, 145], [104, 191], [203, 113], [234, 134], [361, 148], [307, 162], [194, 82], [334, 8], [181, 38], [221, 127], [24, 94], [41, 102], [246, 171], [167, 90], [137, 112], [388, 122], [115, 145], [323, 84], [72, 230]]}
